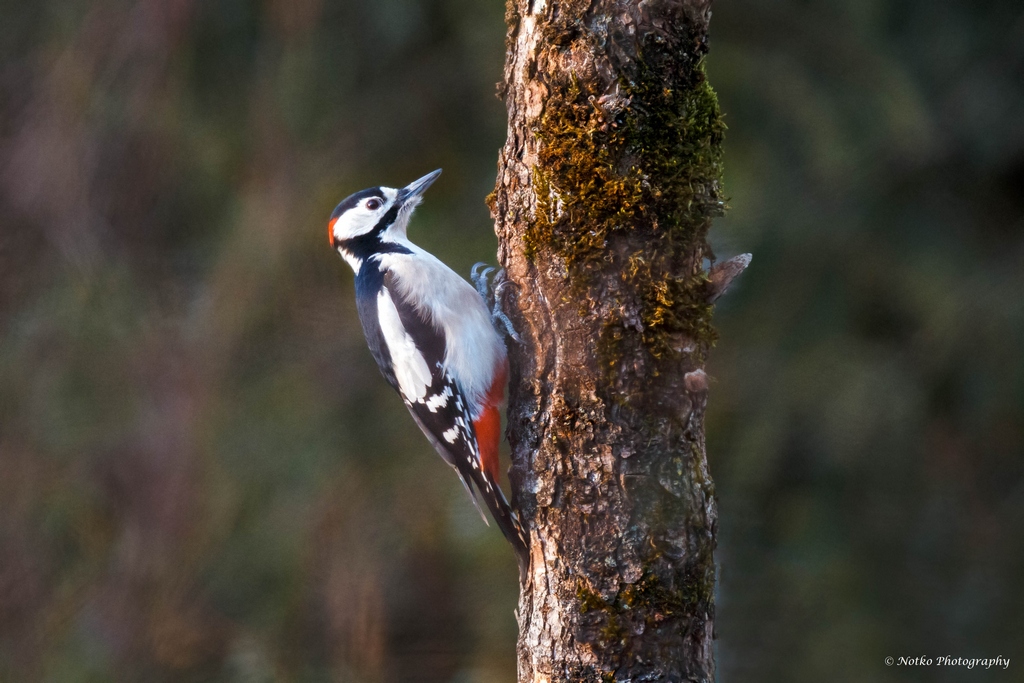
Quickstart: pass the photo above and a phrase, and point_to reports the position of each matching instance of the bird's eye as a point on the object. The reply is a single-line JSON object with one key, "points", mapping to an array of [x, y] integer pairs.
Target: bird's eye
{"points": [[373, 204]]}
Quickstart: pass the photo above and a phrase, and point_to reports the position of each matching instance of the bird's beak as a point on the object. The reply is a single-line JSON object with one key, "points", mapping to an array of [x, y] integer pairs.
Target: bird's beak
{"points": [[416, 188]]}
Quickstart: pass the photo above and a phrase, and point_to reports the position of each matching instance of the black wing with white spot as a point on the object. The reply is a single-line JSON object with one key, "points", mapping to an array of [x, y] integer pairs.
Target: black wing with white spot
{"points": [[441, 409]]}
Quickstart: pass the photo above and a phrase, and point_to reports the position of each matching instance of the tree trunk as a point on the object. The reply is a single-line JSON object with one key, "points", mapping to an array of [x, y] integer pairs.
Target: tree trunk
{"points": [[606, 188]]}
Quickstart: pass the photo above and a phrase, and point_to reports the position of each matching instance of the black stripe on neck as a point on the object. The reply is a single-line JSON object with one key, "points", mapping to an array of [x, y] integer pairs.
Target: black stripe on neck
{"points": [[366, 246]]}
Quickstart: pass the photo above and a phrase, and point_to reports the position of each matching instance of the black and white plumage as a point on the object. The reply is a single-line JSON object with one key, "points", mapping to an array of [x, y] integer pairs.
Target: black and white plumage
{"points": [[431, 335]]}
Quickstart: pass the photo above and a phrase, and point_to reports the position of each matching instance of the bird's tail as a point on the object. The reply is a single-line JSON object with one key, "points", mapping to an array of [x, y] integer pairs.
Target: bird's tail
{"points": [[485, 490]]}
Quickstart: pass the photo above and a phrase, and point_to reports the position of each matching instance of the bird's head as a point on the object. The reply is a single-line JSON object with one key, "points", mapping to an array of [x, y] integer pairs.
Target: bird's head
{"points": [[376, 214]]}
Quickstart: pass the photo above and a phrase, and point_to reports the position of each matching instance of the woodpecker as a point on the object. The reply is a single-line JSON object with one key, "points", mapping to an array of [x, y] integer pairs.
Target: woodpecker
{"points": [[433, 338]]}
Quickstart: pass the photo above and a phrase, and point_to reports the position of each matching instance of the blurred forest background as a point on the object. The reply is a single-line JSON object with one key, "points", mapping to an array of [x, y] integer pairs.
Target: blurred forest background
{"points": [[204, 478]]}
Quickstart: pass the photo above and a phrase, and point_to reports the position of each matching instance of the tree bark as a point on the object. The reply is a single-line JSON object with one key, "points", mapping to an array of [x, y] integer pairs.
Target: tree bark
{"points": [[606, 188]]}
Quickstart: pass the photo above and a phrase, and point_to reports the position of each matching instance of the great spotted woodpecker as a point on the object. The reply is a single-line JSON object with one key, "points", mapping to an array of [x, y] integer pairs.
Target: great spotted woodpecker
{"points": [[433, 338]]}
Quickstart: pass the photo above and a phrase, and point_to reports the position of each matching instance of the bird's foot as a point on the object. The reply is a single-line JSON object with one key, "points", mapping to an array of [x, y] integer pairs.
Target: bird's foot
{"points": [[501, 283], [492, 292]]}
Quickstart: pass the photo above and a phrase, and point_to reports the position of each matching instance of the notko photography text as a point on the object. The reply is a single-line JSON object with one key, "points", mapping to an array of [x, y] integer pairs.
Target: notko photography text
{"points": [[999, 662]]}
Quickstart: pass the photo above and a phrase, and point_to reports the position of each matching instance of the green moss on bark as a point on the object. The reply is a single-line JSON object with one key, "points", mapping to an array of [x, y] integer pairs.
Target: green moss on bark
{"points": [[611, 630], [651, 600], [644, 161]]}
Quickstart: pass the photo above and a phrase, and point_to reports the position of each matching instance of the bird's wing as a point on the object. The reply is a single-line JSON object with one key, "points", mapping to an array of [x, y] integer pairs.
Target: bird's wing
{"points": [[428, 389], [439, 407]]}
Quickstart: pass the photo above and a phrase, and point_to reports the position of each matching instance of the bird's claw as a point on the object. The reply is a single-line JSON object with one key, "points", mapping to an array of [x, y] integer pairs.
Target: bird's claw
{"points": [[480, 279], [492, 294]]}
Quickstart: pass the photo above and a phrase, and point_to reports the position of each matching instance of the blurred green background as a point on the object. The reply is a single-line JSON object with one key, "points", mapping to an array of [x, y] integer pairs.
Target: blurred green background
{"points": [[204, 478]]}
